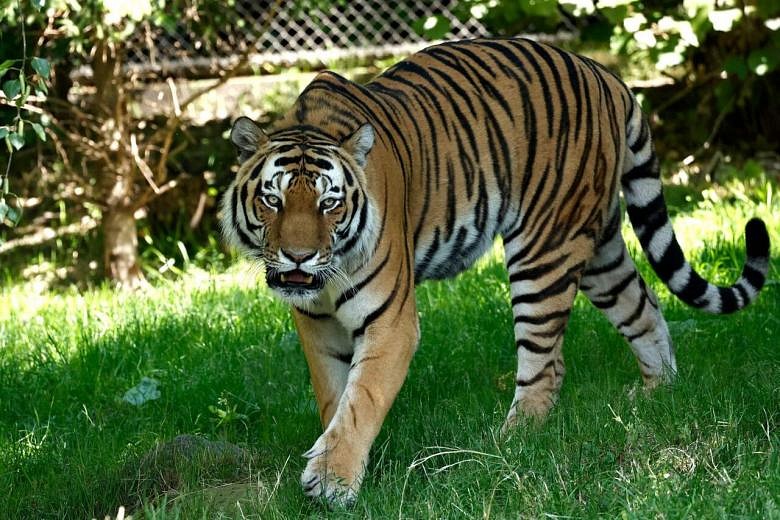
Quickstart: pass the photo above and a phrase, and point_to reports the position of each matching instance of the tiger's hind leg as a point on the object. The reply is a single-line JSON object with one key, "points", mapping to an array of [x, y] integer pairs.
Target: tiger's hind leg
{"points": [[612, 284], [543, 291]]}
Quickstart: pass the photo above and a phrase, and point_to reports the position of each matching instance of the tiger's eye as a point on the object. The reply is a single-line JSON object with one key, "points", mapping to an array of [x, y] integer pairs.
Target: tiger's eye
{"points": [[272, 201], [330, 203]]}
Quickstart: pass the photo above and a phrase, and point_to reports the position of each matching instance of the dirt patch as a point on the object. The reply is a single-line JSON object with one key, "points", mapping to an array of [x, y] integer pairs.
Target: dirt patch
{"points": [[192, 471]]}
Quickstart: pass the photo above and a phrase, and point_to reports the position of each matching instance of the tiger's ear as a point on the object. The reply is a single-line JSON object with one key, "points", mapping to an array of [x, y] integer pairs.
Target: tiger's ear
{"points": [[247, 137], [359, 143]]}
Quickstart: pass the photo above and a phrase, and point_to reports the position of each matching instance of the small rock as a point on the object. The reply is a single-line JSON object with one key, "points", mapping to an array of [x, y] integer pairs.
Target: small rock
{"points": [[193, 465]]}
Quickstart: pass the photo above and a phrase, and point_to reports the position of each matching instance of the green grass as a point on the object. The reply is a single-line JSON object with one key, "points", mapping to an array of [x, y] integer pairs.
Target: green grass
{"points": [[230, 368]]}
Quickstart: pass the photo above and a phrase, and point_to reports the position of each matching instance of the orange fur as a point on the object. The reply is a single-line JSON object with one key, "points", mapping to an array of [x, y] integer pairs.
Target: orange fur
{"points": [[360, 192]]}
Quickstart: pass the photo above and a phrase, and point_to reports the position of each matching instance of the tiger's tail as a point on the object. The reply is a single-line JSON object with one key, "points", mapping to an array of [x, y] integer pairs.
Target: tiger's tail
{"points": [[647, 212]]}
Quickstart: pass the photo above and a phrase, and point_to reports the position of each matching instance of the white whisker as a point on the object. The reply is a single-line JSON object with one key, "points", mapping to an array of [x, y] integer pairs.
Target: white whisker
{"points": [[341, 279]]}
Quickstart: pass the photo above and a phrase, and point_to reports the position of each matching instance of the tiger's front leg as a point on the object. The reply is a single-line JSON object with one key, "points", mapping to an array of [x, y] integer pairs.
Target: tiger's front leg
{"points": [[383, 350], [328, 348]]}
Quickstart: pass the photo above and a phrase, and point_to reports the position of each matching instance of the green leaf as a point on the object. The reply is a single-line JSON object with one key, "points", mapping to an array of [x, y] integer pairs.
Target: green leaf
{"points": [[38, 4], [16, 140], [41, 66], [12, 87], [432, 27], [146, 390], [724, 95], [39, 131], [3, 131], [768, 8], [541, 8], [13, 216], [615, 15], [752, 169], [736, 65], [599, 31], [167, 22], [21, 100], [7, 64], [762, 61], [41, 89]]}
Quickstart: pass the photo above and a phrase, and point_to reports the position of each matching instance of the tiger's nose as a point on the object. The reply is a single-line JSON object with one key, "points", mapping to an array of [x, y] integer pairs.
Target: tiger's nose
{"points": [[299, 256]]}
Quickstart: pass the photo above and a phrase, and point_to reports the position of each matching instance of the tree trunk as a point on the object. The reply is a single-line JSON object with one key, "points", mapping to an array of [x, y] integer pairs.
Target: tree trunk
{"points": [[120, 248], [120, 236]]}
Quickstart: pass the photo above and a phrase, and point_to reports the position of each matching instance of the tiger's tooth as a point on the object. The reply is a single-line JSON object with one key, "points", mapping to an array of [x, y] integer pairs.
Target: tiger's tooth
{"points": [[283, 277], [308, 279]]}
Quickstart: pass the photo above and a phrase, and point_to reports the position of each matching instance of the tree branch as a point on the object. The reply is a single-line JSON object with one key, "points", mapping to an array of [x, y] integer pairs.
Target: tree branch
{"points": [[150, 194], [174, 120], [47, 234]]}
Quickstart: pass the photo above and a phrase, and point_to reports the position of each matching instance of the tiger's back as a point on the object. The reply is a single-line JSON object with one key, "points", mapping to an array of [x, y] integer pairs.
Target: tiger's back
{"points": [[360, 192], [486, 135]]}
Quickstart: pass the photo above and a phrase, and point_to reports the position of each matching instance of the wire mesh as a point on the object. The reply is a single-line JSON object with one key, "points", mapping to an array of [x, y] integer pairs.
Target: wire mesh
{"points": [[347, 29]]}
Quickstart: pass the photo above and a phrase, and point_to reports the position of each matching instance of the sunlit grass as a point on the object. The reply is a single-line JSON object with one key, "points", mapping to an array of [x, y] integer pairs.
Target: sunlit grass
{"points": [[229, 366]]}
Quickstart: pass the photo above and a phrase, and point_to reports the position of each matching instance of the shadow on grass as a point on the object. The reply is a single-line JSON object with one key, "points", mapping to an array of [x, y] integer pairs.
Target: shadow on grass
{"points": [[230, 370]]}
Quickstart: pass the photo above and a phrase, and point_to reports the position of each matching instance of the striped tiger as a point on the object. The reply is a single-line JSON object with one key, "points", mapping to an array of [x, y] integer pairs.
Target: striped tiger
{"points": [[360, 192]]}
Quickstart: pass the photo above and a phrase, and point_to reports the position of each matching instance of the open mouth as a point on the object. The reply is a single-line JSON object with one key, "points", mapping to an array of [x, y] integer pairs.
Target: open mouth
{"points": [[295, 279]]}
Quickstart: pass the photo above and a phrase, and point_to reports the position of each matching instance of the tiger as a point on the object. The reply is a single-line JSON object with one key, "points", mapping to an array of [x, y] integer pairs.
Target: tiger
{"points": [[359, 192]]}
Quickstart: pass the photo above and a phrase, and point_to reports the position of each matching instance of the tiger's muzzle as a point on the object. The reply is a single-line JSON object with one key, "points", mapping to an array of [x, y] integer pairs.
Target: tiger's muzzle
{"points": [[295, 282], [298, 274]]}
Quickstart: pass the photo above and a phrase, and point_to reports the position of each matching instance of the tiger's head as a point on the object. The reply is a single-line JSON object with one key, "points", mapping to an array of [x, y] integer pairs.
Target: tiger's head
{"points": [[299, 204]]}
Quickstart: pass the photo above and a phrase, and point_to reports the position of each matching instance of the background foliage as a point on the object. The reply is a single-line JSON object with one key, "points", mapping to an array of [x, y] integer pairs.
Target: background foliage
{"points": [[220, 356], [98, 175]]}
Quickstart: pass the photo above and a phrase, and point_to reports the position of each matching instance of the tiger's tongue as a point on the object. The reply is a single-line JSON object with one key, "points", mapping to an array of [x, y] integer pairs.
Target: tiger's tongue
{"points": [[297, 277]]}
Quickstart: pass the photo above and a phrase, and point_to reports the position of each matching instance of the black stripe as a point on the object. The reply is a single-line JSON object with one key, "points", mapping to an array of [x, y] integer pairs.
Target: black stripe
{"points": [[512, 57], [317, 162], [257, 169], [485, 81], [353, 240], [349, 294], [535, 272], [742, 293], [555, 331], [619, 287], [313, 315], [538, 377], [609, 266], [696, 286], [559, 286], [636, 314], [753, 276], [728, 300], [648, 219], [372, 317], [646, 170], [630, 338], [243, 237], [520, 45], [605, 304], [288, 160], [356, 207], [641, 140], [532, 346], [345, 358], [543, 318], [422, 267]]}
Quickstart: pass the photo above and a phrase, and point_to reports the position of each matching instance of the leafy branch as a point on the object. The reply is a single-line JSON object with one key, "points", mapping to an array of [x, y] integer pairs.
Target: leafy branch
{"points": [[17, 91]]}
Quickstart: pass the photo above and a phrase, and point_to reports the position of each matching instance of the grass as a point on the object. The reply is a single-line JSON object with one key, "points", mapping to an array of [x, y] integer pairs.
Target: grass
{"points": [[229, 366]]}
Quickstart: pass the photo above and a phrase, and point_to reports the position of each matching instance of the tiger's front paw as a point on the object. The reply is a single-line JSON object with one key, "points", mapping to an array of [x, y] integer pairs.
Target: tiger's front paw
{"points": [[528, 411], [334, 472]]}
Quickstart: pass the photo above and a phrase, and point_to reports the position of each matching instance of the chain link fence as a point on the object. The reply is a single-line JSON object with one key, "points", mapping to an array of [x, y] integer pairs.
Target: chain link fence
{"points": [[364, 29]]}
